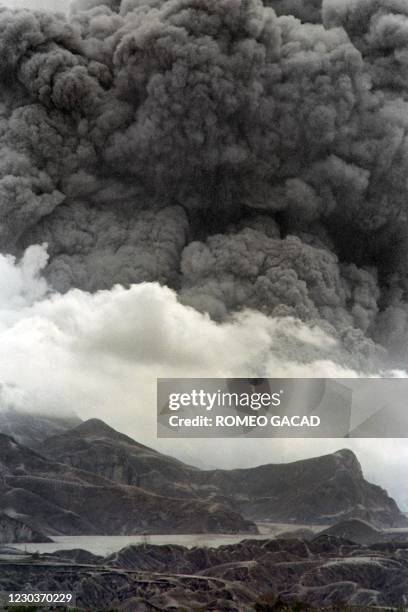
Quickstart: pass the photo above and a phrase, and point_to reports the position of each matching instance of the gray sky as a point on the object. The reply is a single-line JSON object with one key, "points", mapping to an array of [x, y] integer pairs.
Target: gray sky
{"points": [[53, 5]]}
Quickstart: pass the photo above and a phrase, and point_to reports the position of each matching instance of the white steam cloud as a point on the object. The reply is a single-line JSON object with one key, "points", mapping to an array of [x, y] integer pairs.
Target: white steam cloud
{"points": [[99, 355], [57, 345]]}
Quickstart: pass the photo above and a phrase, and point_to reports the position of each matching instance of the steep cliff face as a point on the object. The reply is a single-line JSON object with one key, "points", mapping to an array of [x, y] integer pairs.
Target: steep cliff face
{"points": [[13, 530], [321, 490]]}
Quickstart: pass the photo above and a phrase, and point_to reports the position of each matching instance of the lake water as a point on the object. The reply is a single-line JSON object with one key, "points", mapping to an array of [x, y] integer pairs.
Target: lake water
{"points": [[105, 545]]}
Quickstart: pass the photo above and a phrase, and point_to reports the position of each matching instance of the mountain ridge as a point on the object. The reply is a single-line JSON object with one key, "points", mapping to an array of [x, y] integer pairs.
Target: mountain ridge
{"points": [[54, 498], [318, 490]]}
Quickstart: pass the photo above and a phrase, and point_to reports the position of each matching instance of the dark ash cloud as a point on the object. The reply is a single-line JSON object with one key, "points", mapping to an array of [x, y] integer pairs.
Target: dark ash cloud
{"points": [[247, 154]]}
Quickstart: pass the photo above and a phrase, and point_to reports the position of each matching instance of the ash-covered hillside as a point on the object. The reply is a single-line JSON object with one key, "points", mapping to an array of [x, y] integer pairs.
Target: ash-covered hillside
{"points": [[325, 573], [321, 490], [54, 498]]}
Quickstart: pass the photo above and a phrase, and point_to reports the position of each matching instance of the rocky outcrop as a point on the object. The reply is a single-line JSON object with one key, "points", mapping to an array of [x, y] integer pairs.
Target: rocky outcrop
{"points": [[356, 531], [320, 491], [13, 530], [55, 498]]}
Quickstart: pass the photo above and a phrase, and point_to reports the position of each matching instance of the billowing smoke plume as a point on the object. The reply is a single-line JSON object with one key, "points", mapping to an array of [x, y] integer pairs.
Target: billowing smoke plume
{"points": [[89, 352], [247, 154]]}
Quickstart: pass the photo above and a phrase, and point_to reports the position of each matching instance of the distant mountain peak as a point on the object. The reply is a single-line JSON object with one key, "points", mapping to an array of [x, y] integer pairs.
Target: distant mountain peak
{"points": [[349, 460], [96, 428], [346, 452], [347, 455]]}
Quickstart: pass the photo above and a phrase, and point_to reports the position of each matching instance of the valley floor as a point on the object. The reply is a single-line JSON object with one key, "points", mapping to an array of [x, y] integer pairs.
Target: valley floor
{"points": [[322, 572]]}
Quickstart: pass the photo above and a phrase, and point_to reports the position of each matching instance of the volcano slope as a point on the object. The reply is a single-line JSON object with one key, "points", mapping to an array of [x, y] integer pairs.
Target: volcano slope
{"points": [[321, 490]]}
